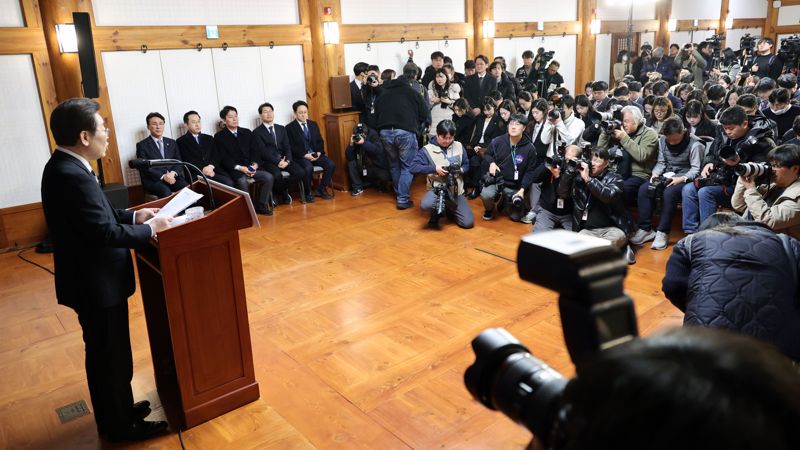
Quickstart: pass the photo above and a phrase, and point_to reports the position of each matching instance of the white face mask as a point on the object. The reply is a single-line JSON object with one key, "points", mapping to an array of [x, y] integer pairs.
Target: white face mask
{"points": [[780, 111]]}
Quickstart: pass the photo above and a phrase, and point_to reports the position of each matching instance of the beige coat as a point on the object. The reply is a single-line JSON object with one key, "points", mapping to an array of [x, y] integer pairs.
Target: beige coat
{"points": [[783, 216]]}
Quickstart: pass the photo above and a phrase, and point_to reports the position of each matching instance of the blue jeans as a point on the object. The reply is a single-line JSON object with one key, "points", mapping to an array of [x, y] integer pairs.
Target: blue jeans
{"points": [[698, 205], [400, 146], [669, 205]]}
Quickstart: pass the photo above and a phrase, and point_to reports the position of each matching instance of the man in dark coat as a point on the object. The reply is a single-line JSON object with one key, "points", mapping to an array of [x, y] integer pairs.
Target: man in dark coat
{"points": [[200, 150]]}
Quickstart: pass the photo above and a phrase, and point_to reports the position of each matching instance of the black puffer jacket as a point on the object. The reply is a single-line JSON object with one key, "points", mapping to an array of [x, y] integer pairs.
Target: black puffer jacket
{"points": [[603, 191], [738, 279], [752, 147]]}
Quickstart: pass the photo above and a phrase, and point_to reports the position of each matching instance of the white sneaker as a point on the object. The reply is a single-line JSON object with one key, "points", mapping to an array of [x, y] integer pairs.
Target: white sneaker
{"points": [[642, 236], [629, 255], [661, 241], [529, 218]]}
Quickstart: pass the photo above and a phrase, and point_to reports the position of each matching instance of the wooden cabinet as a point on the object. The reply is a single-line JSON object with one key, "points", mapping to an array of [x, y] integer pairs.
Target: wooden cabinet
{"points": [[338, 130]]}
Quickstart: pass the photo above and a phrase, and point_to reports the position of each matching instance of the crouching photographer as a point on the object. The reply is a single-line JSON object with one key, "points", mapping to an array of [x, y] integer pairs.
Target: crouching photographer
{"points": [[775, 204], [366, 160], [679, 157], [510, 158], [744, 139], [598, 209], [555, 209], [445, 162]]}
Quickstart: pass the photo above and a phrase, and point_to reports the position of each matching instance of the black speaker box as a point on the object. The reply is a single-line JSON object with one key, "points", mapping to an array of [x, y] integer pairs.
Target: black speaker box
{"points": [[83, 30], [117, 195]]}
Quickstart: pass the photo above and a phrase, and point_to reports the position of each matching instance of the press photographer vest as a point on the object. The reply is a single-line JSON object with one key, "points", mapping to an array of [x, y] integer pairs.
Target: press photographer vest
{"points": [[439, 158]]}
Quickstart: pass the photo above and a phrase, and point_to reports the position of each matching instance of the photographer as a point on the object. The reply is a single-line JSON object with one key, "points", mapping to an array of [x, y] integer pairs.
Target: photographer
{"points": [[551, 78], [598, 209], [562, 121], [366, 160], [509, 158], [740, 276], [729, 64], [697, 60], [744, 139], [679, 158], [553, 208], [640, 150], [445, 161], [662, 65], [774, 205], [370, 91]]}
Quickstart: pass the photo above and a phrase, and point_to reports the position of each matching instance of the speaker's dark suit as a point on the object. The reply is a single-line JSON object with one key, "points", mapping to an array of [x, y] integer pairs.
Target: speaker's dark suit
{"points": [[302, 145], [275, 148], [151, 178], [203, 152], [243, 150], [94, 276], [475, 89]]}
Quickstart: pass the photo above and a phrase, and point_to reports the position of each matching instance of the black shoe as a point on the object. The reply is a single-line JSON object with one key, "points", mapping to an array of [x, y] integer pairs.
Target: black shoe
{"points": [[356, 192], [309, 198], [139, 431], [433, 222], [406, 205], [140, 411], [475, 193], [264, 211], [287, 199], [488, 215], [324, 195]]}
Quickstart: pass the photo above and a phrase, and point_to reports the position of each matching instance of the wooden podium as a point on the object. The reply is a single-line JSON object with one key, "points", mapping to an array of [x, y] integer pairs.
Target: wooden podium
{"points": [[194, 302]]}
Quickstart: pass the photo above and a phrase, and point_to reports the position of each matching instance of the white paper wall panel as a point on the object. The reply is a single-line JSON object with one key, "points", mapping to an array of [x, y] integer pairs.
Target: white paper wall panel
{"points": [[694, 9], [535, 10], [732, 37], [194, 12], [11, 14], [135, 88], [189, 85], [789, 15], [402, 11], [564, 48], [748, 9], [602, 62], [240, 81], [284, 80], [26, 148], [686, 37], [393, 55], [646, 38], [618, 10]]}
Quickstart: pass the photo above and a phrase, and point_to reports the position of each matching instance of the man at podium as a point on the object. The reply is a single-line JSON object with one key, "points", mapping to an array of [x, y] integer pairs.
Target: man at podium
{"points": [[93, 266]]}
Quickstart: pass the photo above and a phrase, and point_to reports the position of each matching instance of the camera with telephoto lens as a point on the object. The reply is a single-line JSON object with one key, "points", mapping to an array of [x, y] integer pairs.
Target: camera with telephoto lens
{"points": [[715, 44], [610, 126], [596, 315], [372, 79], [789, 51], [753, 170], [444, 191]]}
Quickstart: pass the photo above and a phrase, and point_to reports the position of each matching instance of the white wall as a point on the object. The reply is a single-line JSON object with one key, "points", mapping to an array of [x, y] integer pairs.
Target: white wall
{"points": [[11, 14], [602, 61], [535, 11], [694, 9], [748, 9], [685, 37], [619, 9], [393, 55], [564, 48], [732, 37], [649, 38], [26, 148], [194, 12], [175, 81], [402, 11], [789, 15]]}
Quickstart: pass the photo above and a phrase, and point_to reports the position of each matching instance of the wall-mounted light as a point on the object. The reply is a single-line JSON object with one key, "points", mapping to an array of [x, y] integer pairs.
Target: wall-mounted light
{"points": [[488, 29], [594, 26], [696, 23], [330, 32], [728, 22], [540, 26], [67, 39], [672, 25]]}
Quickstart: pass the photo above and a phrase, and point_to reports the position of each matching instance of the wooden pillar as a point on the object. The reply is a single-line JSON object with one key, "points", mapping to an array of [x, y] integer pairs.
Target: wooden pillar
{"points": [[585, 58], [483, 10], [327, 60], [66, 65], [771, 24], [723, 16], [663, 11]]}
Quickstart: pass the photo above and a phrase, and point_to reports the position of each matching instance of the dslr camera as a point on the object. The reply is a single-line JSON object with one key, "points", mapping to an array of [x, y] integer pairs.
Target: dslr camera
{"points": [[753, 170], [443, 192], [655, 191], [610, 126], [359, 133], [596, 315]]}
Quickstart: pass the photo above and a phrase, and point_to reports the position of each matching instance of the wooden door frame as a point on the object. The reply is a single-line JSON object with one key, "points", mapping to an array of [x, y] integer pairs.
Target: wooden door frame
{"points": [[615, 37]]}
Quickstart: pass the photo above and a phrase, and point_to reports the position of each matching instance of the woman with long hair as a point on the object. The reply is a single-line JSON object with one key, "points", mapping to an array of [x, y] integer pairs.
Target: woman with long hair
{"points": [[442, 94], [622, 67], [662, 110], [696, 120]]}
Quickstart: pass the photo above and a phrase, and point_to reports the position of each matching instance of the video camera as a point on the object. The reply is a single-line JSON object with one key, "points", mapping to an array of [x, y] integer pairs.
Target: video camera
{"points": [[747, 45], [715, 43], [596, 315], [789, 52]]}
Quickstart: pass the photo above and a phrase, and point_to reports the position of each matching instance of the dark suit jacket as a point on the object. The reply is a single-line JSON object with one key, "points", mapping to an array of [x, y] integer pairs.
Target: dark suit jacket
{"points": [[492, 131], [297, 139], [241, 150], [356, 97], [276, 147], [475, 91], [147, 149], [90, 238], [201, 154]]}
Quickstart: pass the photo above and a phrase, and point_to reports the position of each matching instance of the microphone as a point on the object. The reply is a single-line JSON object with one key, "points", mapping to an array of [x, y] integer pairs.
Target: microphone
{"points": [[144, 164]]}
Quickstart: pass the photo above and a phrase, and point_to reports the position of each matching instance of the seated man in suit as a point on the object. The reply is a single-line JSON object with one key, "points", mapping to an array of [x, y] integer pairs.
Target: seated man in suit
{"points": [[242, 158], [308, 149], [160, 181], [93, 265], [277, 152], [478, 85], [200, 150]]}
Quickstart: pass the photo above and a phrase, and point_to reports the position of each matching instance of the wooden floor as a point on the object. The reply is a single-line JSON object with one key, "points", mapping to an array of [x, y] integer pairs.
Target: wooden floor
{"points": [[361, 321]]}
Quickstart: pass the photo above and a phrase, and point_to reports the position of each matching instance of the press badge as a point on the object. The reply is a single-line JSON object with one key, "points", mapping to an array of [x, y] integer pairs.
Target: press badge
{"points": [[560, 203], [516, 175], [365, 172], [585, 214]]}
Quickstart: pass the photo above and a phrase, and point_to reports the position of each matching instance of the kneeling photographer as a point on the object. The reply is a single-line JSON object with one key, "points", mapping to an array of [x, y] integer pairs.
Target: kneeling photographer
{"points": [[554, 208], [445, 162], [598, 209], [679, 157], [511, 158], [366, 160], [744, 139], [775, 204]]}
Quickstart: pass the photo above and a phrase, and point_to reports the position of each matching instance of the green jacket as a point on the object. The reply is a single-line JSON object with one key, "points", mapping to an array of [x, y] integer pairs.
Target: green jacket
{"points": [[643, 148]]}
